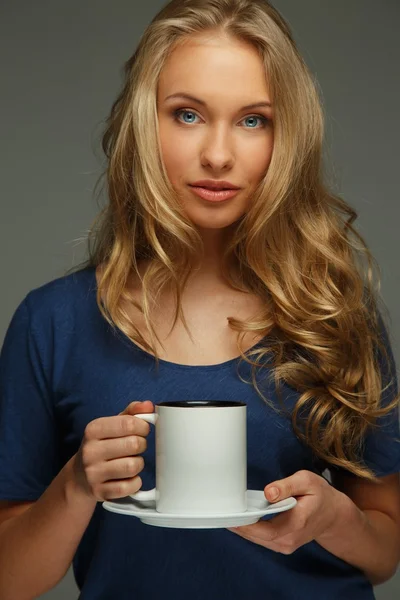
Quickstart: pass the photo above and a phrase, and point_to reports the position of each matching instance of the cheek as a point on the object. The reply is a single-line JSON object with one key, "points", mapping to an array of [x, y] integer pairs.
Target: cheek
{"points": [[176, 156], [254, 152], [257, 162]]}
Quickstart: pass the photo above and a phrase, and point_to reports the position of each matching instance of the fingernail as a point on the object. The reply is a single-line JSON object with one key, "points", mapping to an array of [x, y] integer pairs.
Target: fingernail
{"points": [[273, 493]]}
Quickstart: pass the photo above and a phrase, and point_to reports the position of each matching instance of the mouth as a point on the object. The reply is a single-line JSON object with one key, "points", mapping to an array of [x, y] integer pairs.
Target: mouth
{"points": [[214, 186], [214, 189], [213, 194]]}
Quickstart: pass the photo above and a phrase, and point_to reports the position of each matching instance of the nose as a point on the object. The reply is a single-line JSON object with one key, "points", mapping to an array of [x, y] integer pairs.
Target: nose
{"points": [[217, 151]]}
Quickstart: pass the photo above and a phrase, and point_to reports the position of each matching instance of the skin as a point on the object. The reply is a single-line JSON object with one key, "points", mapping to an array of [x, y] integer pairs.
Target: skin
{"points": [[216, 141]]}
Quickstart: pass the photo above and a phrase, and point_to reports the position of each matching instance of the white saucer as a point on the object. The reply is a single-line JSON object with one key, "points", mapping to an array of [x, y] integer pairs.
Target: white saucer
{"points": [[257, 507]]}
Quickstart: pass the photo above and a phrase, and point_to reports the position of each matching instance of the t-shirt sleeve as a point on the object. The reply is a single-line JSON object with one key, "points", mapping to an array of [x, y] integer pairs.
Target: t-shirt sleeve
{"points": [[381, 448], [29, 444]]}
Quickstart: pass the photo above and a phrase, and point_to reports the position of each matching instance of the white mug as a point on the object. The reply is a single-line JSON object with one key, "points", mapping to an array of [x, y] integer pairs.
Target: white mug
{"points": [[201, 457]]}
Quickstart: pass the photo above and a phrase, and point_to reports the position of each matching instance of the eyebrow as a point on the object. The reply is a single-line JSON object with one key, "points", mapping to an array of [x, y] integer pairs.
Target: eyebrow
{"points": [[193, 99]]}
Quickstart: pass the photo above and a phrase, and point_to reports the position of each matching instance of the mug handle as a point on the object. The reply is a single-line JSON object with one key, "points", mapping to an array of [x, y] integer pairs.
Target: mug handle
{"points": [[146, 494]]}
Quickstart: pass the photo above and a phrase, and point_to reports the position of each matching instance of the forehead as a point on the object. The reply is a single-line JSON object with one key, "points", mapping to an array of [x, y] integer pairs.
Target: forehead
{"points": [[211, 66]]}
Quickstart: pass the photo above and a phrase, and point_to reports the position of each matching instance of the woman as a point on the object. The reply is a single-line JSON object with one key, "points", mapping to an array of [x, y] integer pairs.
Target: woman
{"points": [[259, 297]]}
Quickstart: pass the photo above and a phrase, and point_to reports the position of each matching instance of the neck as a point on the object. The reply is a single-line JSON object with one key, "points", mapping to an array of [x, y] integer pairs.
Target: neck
{"points": [[209, 267], [207, 273]]}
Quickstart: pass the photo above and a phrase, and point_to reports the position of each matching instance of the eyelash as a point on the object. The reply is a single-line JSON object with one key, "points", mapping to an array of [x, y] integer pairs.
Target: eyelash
{"points": [[177, 112]]}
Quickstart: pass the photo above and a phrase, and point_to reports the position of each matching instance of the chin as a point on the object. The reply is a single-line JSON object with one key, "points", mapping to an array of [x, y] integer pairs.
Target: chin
{"points": [[211, 221]]}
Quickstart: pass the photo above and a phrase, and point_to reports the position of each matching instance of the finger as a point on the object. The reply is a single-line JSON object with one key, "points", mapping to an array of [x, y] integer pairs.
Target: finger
{"points": [[120, 447], [274, 529], [281, 525], [278, 546], [118, 426], [261, 530], [112, 490], [121, 468], [255, 536], [301, 483], [138, 407]]}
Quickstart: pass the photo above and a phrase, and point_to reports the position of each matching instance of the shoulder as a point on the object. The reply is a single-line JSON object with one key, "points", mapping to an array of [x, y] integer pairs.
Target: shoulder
{"points": [[62, 297]]}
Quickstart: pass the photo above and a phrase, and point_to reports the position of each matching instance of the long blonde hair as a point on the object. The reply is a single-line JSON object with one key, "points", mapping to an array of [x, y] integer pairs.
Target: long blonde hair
{"points": [[296, 247]]}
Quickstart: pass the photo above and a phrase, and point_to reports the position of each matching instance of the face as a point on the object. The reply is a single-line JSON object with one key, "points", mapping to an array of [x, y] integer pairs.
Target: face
{"points": [[216, 138]]}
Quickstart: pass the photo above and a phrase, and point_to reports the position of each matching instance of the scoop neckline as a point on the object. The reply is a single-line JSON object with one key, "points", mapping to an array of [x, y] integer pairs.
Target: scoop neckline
{"points": [[166, 363]]}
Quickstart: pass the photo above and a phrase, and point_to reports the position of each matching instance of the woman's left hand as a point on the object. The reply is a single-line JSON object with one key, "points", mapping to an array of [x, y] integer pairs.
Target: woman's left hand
{"points": [[318, 507]]}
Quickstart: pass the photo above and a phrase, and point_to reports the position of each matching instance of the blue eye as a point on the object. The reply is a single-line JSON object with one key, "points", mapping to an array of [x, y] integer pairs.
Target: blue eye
{"points": [[180, 111], [264, 120]]}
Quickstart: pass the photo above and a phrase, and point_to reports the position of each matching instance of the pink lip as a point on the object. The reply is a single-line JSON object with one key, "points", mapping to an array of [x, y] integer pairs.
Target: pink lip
{"points": [[215, 184], [214, 195]]}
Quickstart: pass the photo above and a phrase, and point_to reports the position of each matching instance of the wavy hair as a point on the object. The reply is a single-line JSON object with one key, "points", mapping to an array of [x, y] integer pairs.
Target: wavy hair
{"points": [[296, 246]]}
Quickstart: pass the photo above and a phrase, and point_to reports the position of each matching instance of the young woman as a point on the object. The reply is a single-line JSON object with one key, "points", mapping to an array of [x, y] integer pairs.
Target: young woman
{"points": [[260, 297]]}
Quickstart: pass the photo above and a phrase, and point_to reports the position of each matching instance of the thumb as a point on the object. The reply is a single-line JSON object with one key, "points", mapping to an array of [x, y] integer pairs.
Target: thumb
{"points": [[145, 406], [272, 492], [301, 483]]}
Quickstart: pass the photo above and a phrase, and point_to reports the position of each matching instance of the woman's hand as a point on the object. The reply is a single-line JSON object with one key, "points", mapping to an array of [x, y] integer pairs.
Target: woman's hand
{"points": [[318, 506], [108, 461]]}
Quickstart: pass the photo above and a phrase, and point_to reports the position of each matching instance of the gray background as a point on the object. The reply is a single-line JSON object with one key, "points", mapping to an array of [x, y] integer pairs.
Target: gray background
{"points": [[61, 66]]}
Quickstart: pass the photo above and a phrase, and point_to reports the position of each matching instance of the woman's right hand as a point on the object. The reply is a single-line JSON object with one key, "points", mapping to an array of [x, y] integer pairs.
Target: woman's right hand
{"points": [[107, 463]]}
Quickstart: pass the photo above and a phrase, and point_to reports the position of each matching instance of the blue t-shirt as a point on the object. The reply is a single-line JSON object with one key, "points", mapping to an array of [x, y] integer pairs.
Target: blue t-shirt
{"points": [[63, 366]]}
